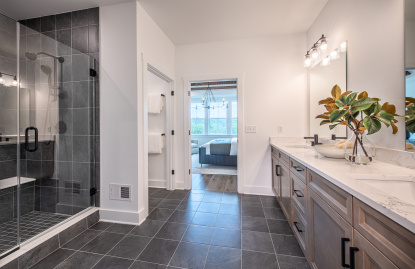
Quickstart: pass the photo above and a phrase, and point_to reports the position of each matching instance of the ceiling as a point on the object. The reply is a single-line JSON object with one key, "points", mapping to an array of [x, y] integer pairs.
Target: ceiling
{"points": [[195, 21], [26, 9], [198, 21]]}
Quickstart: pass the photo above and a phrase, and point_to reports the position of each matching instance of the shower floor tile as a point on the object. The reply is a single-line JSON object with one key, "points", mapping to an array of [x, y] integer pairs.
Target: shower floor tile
{"points": [[31, 224]]}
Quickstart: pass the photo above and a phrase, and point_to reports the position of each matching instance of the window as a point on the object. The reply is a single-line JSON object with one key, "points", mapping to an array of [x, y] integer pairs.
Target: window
{"points": [[220, 120], [198, 119]]}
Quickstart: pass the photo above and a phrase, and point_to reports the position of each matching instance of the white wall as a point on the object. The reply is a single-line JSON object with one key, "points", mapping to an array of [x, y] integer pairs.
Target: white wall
{"points": [[119, 109], [127, 33], [274, 84], [375, 34]]}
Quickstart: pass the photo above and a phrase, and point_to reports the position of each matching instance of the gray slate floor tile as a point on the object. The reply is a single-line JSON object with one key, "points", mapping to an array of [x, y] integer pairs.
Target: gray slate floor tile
{"points": [[80, 260], [219, 258], [172, 230], [252, 259], [53, 259], [207, 219], [147, 228], [257, 241], [286, 245], [254, 224], [147, 265], [130, 247], [103, 243], [198, 234], [113, 263], [288, 262], [228, 221], [181, 216], [101, 226], [120, 228], [189, 255], [82, 239], [160, 214], [159, 251], [279, 227], [226, 238]]}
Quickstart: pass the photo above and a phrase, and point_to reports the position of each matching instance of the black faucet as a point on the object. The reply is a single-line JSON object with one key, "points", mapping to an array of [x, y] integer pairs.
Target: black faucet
{"points": [[334, 137], [315, 142]]}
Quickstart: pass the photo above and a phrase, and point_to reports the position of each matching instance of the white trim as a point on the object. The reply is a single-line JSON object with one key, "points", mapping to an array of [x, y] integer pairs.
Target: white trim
{"points": [[46, 235], [126, 217], [259, 190], [157, 183], [186, 118]]}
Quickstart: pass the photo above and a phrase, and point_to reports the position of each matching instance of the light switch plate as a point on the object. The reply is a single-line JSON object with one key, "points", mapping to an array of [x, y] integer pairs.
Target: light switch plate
{"points": [[250, 129]]}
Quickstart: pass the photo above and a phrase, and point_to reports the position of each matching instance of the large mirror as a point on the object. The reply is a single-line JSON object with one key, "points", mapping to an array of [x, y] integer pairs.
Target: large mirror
{"points": [[322, 77], [410, 69]]}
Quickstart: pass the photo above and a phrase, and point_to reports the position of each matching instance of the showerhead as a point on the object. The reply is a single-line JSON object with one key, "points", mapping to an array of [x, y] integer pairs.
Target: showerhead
{"points": [[46, 69], [31, 56]]}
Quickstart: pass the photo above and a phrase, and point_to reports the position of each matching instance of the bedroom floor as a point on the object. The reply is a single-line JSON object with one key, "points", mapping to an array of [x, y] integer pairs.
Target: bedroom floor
{"points": [[211, 169]]}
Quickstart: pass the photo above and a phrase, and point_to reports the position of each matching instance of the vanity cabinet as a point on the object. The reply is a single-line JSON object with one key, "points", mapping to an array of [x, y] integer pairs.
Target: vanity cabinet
{"points": [[285, 190], [329, 235], [276, 180]]}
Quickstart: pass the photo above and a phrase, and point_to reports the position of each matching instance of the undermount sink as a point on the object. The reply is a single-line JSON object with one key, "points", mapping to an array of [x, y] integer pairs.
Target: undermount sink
{"points": [[401, 187], [299, 146]]}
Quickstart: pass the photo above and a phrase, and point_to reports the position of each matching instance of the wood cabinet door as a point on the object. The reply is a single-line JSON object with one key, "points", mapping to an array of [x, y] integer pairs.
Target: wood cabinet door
{"points": [[368, 256], [276, 182], [326, 228], [285, 190]]}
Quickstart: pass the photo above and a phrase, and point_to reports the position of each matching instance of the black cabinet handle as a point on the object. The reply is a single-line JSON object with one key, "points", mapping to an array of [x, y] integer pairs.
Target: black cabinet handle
{"points": [[298, 168], [276, 170], [298, 229], [298, 193], [343, 249], [352, 250], [27, 139]]}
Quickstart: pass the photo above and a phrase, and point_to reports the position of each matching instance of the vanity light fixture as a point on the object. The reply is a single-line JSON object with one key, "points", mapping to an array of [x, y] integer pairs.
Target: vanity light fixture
{"points": [[343, 46], [334, 54], [325, 61], [14, 81], [313, 54], [1, 79]]}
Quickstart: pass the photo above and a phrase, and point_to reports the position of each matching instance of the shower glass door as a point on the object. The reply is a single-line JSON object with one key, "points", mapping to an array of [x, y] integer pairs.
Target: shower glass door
{"points": [[49, 133]]}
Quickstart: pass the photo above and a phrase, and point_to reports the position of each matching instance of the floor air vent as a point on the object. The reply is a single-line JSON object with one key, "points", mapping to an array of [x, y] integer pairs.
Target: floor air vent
{"points": [[120, 192]]}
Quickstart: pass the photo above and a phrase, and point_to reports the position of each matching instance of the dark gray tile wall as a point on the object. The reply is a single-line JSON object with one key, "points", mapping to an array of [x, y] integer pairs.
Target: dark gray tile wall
{"points": [[77, 154]]}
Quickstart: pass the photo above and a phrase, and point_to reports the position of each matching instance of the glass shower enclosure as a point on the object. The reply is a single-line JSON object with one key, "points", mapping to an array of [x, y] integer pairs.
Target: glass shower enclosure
{"points": [[49, 133]]}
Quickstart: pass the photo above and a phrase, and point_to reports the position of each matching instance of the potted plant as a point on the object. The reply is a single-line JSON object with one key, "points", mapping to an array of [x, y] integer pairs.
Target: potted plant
{"points": [[363, 115]]}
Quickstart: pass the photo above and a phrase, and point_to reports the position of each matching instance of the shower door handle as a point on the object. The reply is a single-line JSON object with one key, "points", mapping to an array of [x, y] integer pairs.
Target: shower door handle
{"points": [[26, 145]]}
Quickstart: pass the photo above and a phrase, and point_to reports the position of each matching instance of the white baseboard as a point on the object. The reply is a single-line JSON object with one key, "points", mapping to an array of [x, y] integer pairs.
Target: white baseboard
{"points": [[180, 185], [258, 190], [124, 217], [157, 183]]}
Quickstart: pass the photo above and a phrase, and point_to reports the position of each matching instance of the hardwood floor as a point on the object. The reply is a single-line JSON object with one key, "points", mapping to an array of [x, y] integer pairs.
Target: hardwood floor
{"points": [[220, 183]]}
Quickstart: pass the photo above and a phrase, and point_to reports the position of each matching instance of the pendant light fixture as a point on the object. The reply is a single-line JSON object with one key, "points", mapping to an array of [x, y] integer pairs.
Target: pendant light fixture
{"points": [[208, 98]]}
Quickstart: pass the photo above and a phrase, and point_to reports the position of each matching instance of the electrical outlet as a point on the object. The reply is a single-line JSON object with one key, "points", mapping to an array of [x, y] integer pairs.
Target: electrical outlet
{"points": [[280, 129], [250, 129]]}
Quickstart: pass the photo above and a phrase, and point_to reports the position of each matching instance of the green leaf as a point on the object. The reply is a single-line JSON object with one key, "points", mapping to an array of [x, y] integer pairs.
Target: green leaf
{"points": [[324, 122], [350, 99], [377, 109], [337, 114], [339, 103], [332, 126], [385, 117], [362, 104], [372, 125], [410, 126]]}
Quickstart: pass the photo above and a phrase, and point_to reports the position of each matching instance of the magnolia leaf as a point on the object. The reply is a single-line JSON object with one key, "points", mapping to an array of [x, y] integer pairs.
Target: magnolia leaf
{"points": [[325, 101], [331, 107], [344, 123], [389, 108], [410, 126], [376, 99], [362, 94], [332, 126], [339, 103], [362, 128], [395, 120], [336, 92], [345, 94], [394, 128], [322, 116], [324, 122], [372, 125], [350, 99], [385, 117], [362, 104], [337, 115], [410, 99]]}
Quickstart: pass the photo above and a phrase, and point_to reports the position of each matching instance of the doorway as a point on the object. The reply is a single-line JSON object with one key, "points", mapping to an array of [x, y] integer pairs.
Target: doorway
{"points": [[214, 146]]}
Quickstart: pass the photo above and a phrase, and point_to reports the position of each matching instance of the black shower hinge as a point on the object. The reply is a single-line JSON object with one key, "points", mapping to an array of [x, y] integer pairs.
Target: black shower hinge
{"points": [[172, 93], [172, 172], [92, 72], [92, 191], [172, 132]]}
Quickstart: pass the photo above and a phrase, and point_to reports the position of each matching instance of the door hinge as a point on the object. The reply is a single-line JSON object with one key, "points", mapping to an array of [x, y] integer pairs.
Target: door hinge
{"points": [[189, 171], [172, 93], [92, 72], [189, 132], [172, 172], [172, 132], [188, 93], [92, 191]]}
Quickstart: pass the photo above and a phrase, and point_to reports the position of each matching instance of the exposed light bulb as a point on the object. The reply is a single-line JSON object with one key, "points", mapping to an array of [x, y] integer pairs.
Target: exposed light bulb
{"points": [[334, 55], [323, 44], [343, 46], [14, 81], [325, 61], [314, 54], [307, 60], [1, 79]]}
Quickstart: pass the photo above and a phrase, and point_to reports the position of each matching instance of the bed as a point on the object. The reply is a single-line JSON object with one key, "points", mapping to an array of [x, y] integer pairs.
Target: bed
{"points": [[222, 151]]}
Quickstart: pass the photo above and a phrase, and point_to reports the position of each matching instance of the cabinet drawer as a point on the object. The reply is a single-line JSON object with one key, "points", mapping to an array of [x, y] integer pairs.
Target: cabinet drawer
{"points": [[337, 198], [298, 194], [394, 241], [283, 158], [299, 226], [274, 152], [298, 169]]}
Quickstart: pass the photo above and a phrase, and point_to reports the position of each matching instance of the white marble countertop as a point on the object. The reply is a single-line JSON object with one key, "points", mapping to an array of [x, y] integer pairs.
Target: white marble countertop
{"points": [[341, 173]]}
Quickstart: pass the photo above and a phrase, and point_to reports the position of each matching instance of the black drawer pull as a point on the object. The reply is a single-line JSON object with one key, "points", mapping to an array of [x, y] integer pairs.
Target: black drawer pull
{"points": [[298, 193], [298, 168], [276, 170], [298, 229], [352, 251], [343, 250]]}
